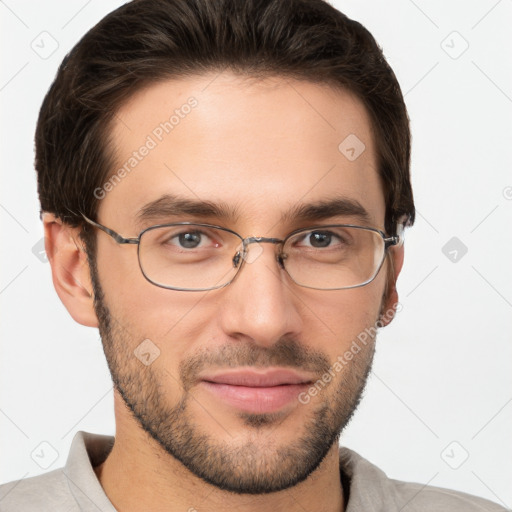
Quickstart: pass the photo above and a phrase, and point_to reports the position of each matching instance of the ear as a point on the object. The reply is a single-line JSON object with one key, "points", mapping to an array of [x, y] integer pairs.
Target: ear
{"points": [[70, 269], [390, 299]]}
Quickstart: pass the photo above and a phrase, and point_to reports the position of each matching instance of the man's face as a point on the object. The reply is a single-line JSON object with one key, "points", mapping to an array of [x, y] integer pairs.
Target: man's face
{"points": [[259, 148]]}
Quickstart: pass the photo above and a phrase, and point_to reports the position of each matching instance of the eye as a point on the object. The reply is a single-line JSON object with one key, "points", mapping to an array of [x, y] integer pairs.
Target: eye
{"points": [[191, 240], [321, 239]]}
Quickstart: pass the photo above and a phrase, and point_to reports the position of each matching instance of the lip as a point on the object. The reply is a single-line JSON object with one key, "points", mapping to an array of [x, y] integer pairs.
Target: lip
{"points": [[256, 392], [263, 378]]}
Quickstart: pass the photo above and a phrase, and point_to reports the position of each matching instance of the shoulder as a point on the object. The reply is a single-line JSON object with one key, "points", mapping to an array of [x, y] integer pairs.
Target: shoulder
{"points": [[414, 497], [28, 494], [371, 489], [72, 488]]}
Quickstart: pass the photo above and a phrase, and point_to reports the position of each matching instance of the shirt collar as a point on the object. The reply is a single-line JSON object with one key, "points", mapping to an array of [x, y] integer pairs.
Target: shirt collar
{"points": [[87, 451]]}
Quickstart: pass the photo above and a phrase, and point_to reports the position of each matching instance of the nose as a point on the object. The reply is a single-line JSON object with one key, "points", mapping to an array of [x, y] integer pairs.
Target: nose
{"points": [[260, 304]]}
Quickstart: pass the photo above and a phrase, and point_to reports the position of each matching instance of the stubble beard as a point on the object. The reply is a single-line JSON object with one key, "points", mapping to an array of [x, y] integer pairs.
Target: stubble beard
{"points": [[255, 465]]}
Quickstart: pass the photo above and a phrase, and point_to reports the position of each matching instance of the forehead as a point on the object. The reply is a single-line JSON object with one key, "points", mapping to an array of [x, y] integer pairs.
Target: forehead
{"points": [[259, 147]]}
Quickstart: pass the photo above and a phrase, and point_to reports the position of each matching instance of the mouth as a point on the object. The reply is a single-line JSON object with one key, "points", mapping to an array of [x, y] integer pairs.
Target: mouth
{"points": [[257, 392]]}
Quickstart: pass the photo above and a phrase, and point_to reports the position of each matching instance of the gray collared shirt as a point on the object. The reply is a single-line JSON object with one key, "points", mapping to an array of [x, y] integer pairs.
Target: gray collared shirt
{"points": [[75, 487]]}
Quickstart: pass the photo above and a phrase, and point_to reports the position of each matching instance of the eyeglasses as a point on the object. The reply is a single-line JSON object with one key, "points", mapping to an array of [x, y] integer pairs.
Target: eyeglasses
{"points": [[188, 256]]}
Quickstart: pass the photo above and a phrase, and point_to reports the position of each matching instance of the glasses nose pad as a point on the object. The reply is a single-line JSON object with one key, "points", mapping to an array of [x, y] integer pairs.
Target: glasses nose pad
{"points": [[236, 259], [280, 259]]}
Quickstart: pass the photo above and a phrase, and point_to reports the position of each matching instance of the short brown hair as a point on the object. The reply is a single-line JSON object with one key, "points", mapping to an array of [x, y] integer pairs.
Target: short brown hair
{"points": [[146, 41]]}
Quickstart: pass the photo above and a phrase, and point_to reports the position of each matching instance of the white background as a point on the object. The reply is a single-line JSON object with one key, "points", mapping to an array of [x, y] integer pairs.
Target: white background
{"points": [[442, 382]]}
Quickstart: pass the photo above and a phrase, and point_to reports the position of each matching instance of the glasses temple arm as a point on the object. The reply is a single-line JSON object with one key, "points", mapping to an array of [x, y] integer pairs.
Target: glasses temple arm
{"points": [[116, 236]]}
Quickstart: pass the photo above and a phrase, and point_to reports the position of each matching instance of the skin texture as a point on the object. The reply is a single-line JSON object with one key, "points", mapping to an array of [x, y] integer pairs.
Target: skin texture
{"points": [[261, 147]]}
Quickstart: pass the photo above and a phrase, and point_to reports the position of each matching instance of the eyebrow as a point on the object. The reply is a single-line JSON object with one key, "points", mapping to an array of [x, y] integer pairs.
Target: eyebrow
{"points": [[328, 208], [172, 205]]}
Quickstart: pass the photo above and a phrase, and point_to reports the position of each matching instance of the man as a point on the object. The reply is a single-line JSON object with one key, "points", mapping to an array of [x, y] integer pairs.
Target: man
{"points": [[224, 187]]}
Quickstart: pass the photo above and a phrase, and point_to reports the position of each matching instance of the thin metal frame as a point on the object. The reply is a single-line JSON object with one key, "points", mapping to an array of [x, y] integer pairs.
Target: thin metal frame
{"points": [[388, 242]]}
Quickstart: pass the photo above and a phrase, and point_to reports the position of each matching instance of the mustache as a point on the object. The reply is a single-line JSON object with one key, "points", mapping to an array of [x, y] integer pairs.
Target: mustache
{"points": [[286, 352]]}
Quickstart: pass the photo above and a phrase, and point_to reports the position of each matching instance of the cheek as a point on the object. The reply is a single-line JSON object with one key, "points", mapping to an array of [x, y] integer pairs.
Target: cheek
{"points": [[142, 309], [336, 318]]}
